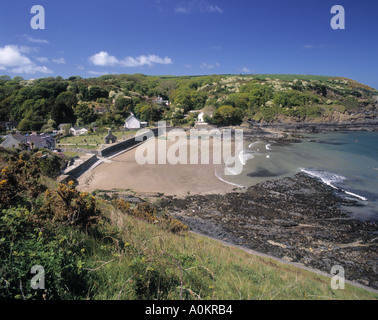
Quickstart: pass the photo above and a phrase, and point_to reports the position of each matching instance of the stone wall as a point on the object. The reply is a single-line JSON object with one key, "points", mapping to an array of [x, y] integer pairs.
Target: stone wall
{"points": [[77, 170], [123, 145]]}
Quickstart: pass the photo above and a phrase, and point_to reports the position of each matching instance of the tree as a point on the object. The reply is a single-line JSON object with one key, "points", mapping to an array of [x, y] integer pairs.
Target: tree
{"points": [[24, 125], [149, 113], [49, 126], [124, 105], [94, 93], [68, 98], [61, 113], [84, 114], [227, 115]]}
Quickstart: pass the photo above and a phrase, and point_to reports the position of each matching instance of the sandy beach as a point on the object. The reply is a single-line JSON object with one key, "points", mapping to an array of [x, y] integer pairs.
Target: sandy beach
{"points": [[123, 172]]}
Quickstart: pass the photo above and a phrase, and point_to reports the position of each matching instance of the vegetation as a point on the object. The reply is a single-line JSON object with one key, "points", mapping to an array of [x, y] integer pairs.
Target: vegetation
{"points": [[97, 248], [43, 104]]}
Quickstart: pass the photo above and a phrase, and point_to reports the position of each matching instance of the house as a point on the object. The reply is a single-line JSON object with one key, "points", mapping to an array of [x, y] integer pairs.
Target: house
{"points": [[76, 131], [160, 100], [40, 141], [62, 126], [49, 140], [8, 125], [208, 111], [200, 115], [83, 131], [132, 122], [14, 141]]}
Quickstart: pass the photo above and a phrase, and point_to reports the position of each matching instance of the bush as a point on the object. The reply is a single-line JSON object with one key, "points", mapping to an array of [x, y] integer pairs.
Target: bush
{"points": [[147, 212], [69, 206], [26, 242]]}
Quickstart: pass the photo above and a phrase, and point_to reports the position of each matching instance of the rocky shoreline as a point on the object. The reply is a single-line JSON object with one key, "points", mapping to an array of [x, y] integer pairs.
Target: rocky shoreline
{"points": [[370, 124], [296, 219]]}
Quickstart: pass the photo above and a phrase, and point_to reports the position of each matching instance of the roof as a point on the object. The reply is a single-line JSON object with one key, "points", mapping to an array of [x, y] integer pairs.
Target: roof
{"points": [[40, 141], [11, 141], [19, 137], [130, 117], [64, 124]]}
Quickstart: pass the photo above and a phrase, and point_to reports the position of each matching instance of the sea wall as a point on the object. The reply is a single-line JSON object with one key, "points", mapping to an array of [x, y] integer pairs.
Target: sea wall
{"points": [[77, 169], [123, 145]]}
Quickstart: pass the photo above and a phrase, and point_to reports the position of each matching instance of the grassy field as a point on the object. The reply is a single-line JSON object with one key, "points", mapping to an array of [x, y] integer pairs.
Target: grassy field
{"points": [[92, 140], [152, 261]]}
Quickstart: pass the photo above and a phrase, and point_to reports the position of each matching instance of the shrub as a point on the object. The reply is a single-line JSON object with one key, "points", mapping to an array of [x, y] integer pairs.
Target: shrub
{"points": [[147, 212], [69, 206], [25, 243]]}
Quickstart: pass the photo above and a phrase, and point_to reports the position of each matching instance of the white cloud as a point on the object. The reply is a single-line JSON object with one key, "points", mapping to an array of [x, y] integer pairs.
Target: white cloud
{"points": [[245, 70], [59, 61], [42, 59], [197, 6], [12, 60], [209, 66], [313, 46], [30, 69], [105, 59], [34, 40], [10, 56], [145, 60], [98, 73]]}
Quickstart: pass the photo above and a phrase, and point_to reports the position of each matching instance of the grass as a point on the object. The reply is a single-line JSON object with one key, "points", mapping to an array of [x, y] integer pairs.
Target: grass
{"points": [[199, 268], [92, 141]]}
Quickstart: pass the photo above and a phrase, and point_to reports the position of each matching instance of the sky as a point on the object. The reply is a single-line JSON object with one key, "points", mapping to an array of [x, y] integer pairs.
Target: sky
{"points": [[193, 37]]}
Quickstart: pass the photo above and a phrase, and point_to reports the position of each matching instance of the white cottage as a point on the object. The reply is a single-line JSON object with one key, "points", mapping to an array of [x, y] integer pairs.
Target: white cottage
{"points": [[132, 122]]}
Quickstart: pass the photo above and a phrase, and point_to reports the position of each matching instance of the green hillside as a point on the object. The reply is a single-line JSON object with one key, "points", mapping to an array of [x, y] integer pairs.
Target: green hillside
{"points": [[108, 248], [43, 104]]}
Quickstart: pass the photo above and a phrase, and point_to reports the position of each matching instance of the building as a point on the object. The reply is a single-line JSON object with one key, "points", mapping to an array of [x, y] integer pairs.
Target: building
{"points": [[160, 100], [14, 141], [8, 125], [40, 141], [132, 122], [83, 131], [76, 131], [62, 126], [29, 141], [200, 117]]}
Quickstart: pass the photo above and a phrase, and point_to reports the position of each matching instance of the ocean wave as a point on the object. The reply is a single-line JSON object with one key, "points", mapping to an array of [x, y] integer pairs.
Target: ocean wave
{"points": [[330, 179], [221, 179], [245, 155], [253, 144]]}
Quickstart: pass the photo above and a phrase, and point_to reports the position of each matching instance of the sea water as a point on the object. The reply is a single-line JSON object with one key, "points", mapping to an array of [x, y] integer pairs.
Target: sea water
{"points": [[346, 161]]}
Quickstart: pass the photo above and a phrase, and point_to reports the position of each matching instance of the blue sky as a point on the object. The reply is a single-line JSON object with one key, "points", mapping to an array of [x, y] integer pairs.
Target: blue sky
{"points": [[192, 37]]}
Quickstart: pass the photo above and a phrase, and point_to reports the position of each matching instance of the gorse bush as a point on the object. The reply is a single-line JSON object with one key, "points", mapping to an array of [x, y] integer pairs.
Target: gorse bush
{"points": [[26, 241], [19, 181], [69, 206], [147, 212], [62, 229]]}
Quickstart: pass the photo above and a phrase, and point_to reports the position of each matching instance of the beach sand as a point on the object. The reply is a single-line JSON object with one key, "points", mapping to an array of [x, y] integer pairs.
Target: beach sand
{"points": [[123, 172]]}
